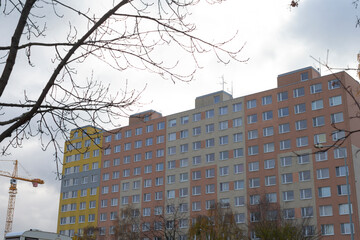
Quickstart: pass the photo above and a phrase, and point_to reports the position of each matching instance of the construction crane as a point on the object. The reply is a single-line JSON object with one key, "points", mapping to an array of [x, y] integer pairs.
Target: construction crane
{"points": [[13, 191]]}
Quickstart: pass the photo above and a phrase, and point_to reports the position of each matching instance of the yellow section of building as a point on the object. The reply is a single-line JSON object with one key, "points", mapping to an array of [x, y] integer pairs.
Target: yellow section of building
{"points": [[79, 197]]}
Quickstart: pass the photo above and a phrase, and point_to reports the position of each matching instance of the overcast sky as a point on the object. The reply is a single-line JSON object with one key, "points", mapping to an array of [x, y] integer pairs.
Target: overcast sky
{"points": [[278, 40]]}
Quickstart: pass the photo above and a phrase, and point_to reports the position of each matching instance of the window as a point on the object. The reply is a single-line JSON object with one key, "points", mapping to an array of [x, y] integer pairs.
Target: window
{"points": [[149, 142], [318, 121], [324, 192], [183, 207], [316, 88], [304, 176], [196, 160], [128, 133], [304, 76], [282, 96], [239, 184], [271, 197], [210, 173], [137, 157], [300, 108], [196, 175], [209, 114], [346, 228], [327, 229], [137, 171], [251, 103], [184, 162], [317, 104], [107, 138], [283, 112], [196, 206], [107, 151], [269, 164], [284, 128], [307, 212], [320, 138], [254, 182], [337, 117], [254, 199], [252, 118], [268, 131], [253, 150], [172, 122], [184, 120], [171, 179], [91, 218], [252, 134], [322, 173], [147, 182], [340, 153], [340, 171], [305, 193], [127, 146], [342, 189], [224, 186], [237, 107], [138, 131], [302, 141], [158, 195], [286, 178], [344, 209], [266, 100], [285, 144], [184, 134], [158, 181], [183, 192], [210, 142], [223, 140], [269, 147], [239, 201], [325, 210], [160, 139], [237, 122], [158, 210], [147, 197], [184, 148], [209, 128], [289, 213], [149, 128], [239, 152], [210, 157], [303, 159], [196, 117], [106, 176], [224, 171], [92, 204], [160, 153], [126, 159], [254, 217], [335, 101], [196, 190], [299, 92], [171, 164], [288, 196], [216, 99], [196, 131], [93, 191], [223, 110], [333, 84], [320, 156], [270, 180], [184, 177], [96, 153], [237, 137], [223, 125], [268, 115]]}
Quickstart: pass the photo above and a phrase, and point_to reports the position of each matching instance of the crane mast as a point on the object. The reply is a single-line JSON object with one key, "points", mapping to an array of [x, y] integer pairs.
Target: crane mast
{"points": [[13, 191]]}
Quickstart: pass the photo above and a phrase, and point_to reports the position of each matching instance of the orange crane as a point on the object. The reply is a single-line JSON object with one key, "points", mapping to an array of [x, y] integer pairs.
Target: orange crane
{"points": [[13, 190]]}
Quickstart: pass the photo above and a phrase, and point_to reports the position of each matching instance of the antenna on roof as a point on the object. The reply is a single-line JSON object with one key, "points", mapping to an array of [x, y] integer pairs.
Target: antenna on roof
{"points": [[223, 82]]}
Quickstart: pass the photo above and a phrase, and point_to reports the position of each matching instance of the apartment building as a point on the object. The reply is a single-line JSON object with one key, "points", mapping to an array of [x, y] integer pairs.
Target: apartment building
{"points": [[231, 151]]}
